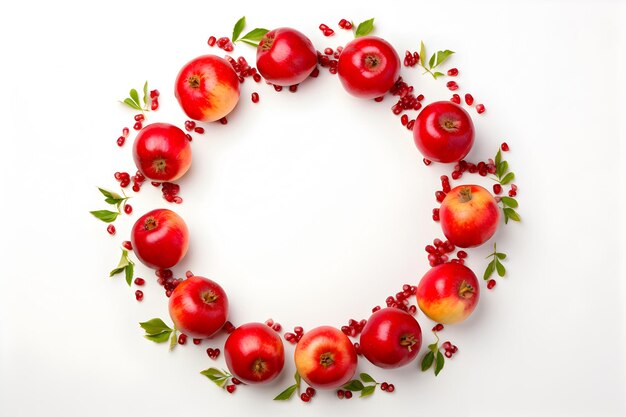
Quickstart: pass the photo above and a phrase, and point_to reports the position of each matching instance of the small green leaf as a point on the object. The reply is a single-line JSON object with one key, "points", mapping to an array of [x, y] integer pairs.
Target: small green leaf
{"points": [[502, 168], [442, 56], [511, 214], [173, 340], [431, 61], [427, 362], [298, 378], [422, 54], [437, 74], [440, 361], [238, 28], [145, 93], [501, 255], [256, 45], [366, 377], [159, 337], [135, 96], [508, 178], [254, 35], [498, 157], [131, 103], [130, 270], [368, 390], [364, 28], [105, 215], [154, 326], [433, 347], [354, 385], [489, 270], [287, 393], [218, 377], [500, 268], [510, 202], [110, 194]]}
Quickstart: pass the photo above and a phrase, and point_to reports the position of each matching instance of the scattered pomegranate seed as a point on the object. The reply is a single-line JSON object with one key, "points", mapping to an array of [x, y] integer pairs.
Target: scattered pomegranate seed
{"points": [[404, 120], [125, 132], [140, 281], [235, 381], [212, 40], [139, 117], [154, 105], [456, 99], [137, 126], [491, 283], [480, 108], [504, 146], [391, 388], [311, 392], [120, 141], [384, 386], [512, 193], [348, 395], [453, 72], [127, 245], [223, 121], [230, 388], [426, 161], [197, 341], [255, 97], [340, 394], [348, 25], [139, 295], [111, 229], [198, 129], [469, 99], [277, 327], [438, 327], [293, 88], [452, 85], [497, 188], [128, 208], [182, 339], [305, 397], [329, 32]]}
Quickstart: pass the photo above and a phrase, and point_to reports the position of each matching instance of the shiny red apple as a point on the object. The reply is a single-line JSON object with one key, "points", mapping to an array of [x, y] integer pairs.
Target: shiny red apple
{"points": [[285, 57], [198, 307], [160, 238], [162, 152]]}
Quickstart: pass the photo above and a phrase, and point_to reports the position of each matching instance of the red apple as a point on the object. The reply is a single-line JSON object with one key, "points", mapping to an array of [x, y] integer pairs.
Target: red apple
{"points": [[285, 57], [469, 216], [207, 88], [368, 67], [160, 238], [198, 307], [444, 132], [391, 338], [325, 358], [448, 293], [162, 152], [254, 353]]}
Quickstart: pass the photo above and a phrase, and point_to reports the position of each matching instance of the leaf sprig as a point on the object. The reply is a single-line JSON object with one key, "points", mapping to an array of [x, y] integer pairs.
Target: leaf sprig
{"points": [[495, 264], [434, 355], [159, 332], [125, 265], [288, 392], [358, 385], [435, 60], [251, 38], [364, 28], [219, 378], [114, 199], [133, 100], [504, 177]]}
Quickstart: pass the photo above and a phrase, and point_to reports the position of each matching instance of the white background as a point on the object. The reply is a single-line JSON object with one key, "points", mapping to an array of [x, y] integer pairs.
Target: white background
{"points": [[312, 207]]}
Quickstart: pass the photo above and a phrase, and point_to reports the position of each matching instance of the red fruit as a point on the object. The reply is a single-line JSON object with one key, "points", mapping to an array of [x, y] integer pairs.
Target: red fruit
{"points": [[160, 238], [198, 307], [325, 358], [448, 293], [285, 57], [207, 88], [469, 216], [368, 67], [444, 132], [391, 338], [254, 353], [162, 152]]}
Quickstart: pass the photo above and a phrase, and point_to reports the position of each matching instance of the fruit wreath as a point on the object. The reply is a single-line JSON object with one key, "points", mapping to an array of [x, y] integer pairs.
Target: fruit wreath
{"points": [[208, 88]]}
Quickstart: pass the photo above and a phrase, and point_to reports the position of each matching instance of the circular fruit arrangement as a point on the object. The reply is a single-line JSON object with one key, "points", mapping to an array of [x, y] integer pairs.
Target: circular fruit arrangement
{"points": [[208, 88]]}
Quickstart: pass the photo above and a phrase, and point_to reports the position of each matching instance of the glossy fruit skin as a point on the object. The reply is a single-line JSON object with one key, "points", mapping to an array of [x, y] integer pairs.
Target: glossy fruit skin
{"points": [[254, 353], [160, 238], [368, 67], [285, 57], [444, 132], [391, 338], [448, 293], [469, 216], [199, 307], [162, 152], [325, 358], [207, 88]]}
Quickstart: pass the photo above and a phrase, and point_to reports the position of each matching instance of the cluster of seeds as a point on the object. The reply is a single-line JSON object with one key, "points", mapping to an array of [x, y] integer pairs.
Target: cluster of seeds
{"points": [[170, 191], [190, 126], [165, 278], [345, 24], [223, 43], [401, 300], [407, 101], [273, 325], [411, 59], [326, 31], [449, 349], [328, 59], [213, 353], [354, 328], [308, 394], [294, 337], [439, 250], [122, 139]]}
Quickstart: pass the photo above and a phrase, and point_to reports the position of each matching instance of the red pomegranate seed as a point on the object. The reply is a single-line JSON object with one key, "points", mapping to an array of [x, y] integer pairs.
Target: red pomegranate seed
{"points": [[255, 97], [154, 105], [277, 327], [391, 388], [512, 193], [305, 397], [456, 99], [323, 27], [329, 51], [127, 245], [480, 108], [121, 140], [404, 120], [269, 322], [497, 188], [504, 146], [491, 283], [469, 100], [453, 72], [293, 88], [347, 25], [454, 349], [375, 309], [440, 196], [128, 208], [329, 32], [348, 395], [438, 327], [137, 126], [125, 132], [256, 78], [426, 161], [448, 354], [461, 254], [182, 339], [154, 93], [235, 381], [197, 341], [223, 121], [452, 85], [140, 281], [230, 388], [139, 117], [198, 129], [139, 295], [311, 391], [111, 229], [340, 394], [211, 40]]}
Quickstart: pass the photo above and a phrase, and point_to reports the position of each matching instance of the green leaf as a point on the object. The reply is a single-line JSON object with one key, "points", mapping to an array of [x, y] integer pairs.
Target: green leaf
{"points": [[238, 28], [511, 214], [220, 378], [501, 255], [135, 96], [500, 268], [433, 347], [440, 361], [364, 28], [502, 168], [366, 377], [508, 201], [105, 215], [145, 93], [422, 54], [442, 56], [110, 194], [130, 270], [298, 378], [154, 326], [254, 35], [122, 264], [159, 337], [508, 178], [431, 61], [173, 340], [368, 390], [287, 393], [354, 385], [489, 270], [498, 157], [256, 45], [131, 103], [437, 74], [428, 360]]}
